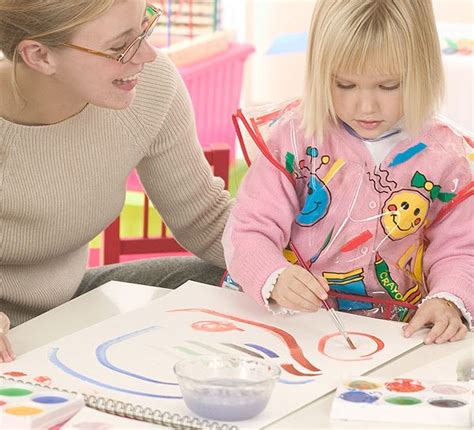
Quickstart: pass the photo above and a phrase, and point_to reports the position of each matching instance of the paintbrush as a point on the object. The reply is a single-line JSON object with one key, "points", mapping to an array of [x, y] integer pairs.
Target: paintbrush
{"points": [[335, 317]]}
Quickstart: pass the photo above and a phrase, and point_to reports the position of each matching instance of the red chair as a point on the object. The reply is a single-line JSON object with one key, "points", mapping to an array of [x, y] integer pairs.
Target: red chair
{"points": [[113, 246]]}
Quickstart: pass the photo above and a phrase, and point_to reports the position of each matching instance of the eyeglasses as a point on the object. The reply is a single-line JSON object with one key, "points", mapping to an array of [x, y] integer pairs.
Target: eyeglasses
{"points": [[153, 14]]}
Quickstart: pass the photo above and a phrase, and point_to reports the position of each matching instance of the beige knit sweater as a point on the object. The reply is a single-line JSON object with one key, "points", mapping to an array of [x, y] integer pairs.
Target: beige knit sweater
{"points": [[62, 184]]}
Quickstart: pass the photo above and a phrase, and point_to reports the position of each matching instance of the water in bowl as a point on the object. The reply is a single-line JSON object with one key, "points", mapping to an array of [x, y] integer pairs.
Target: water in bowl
{"points": [[228, 399]]}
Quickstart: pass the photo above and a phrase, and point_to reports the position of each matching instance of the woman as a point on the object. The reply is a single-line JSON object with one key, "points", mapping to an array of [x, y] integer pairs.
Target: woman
{"points": [[85, 99]]}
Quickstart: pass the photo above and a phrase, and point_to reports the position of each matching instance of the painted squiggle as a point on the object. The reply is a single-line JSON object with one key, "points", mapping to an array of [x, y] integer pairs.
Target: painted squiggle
{"points": [[295, 350]]}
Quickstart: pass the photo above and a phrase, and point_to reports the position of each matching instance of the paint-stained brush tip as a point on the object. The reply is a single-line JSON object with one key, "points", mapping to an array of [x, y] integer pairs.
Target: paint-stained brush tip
{"points": [[351, 344]]}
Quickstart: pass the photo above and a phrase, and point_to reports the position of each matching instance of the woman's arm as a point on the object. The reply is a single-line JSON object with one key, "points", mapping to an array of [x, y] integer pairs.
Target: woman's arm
{"points": [[178, 180]]}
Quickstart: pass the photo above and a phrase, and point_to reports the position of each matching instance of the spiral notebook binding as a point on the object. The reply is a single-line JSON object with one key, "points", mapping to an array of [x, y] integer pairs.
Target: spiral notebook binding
{"points": [[135, 412]]}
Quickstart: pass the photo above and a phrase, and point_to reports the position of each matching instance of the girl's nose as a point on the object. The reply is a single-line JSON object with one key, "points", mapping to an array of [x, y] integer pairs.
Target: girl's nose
{"points": [[367, 103]]}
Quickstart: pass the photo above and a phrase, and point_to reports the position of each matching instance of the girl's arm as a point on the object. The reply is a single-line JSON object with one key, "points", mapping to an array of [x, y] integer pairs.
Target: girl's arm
{"points": [[448, 263], [259, 227]]}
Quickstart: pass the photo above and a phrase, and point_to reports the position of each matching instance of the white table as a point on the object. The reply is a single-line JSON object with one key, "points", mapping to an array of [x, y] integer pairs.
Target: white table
{"points": [[113, 298]]}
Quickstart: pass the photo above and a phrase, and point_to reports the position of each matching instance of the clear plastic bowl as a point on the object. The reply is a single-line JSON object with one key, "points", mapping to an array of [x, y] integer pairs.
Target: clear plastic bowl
{"points": [[226, 388]]}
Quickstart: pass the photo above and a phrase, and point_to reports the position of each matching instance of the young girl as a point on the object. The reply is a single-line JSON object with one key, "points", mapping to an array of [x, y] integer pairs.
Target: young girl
{"points": [[372, 191], [84, 100]]}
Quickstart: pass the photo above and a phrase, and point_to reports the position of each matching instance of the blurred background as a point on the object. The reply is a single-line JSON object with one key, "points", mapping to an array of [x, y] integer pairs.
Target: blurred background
{"points": [[244, 53]]}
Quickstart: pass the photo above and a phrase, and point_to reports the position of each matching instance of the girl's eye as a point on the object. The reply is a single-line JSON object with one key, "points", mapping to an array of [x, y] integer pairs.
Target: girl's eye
{"points": [[345, 87], [390, 88], [119, 49]]}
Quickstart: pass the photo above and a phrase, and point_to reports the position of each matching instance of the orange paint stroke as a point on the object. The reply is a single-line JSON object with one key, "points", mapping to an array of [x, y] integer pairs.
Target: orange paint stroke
{"points": [[295, 350], [291, 369], [324, 339]]}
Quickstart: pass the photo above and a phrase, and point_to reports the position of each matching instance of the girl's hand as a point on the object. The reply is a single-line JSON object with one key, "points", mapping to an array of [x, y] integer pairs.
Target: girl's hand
{"points": [[6, 352], [444, 318], [299, 290]]}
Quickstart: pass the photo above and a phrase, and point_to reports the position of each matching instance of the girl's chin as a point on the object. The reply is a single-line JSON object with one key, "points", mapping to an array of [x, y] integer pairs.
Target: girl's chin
{"points": [[370, 134]]}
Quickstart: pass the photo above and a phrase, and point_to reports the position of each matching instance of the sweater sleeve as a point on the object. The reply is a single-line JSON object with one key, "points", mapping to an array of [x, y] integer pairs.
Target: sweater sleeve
{"points": [[449, 257], [259, 227], [178, 180]]}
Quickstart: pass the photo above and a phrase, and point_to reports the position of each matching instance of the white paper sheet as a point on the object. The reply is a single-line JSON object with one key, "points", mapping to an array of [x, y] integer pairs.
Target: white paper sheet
{"points": [[130, 357]]}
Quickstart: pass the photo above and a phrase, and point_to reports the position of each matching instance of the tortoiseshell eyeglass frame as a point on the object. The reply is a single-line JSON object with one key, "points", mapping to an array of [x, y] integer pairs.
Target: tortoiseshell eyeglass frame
{"points": [[129, 52]]}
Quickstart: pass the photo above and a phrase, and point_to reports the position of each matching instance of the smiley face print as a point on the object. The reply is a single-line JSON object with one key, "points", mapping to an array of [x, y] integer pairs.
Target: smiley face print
{"points": [[404, 213]]}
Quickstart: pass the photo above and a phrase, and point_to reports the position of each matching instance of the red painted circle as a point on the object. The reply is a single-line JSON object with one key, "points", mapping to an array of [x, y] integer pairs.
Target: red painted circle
{"points": [[322, 345]]}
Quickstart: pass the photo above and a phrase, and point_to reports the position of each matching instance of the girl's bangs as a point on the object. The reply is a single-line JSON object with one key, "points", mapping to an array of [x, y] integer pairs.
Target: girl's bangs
{"points": [[362, 56]]}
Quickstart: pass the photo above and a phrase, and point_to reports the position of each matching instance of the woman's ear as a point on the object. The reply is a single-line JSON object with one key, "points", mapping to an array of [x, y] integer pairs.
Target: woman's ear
{"points": [[36, 56]]}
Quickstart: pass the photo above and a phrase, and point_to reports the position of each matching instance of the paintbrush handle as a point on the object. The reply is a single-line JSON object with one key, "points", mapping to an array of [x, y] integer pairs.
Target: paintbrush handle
{"points": [[331, 311], [339, 323]]}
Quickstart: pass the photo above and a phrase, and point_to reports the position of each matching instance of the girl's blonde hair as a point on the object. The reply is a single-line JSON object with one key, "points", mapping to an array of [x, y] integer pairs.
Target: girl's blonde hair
{"points": [[395, 37]]}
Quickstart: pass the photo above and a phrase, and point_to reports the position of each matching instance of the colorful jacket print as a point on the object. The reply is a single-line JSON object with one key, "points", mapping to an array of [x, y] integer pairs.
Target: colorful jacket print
{"points": [[397, 231]]}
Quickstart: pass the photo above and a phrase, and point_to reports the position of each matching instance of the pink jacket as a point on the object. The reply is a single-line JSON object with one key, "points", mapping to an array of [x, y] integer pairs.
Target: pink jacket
{"points": [[399, 230]]}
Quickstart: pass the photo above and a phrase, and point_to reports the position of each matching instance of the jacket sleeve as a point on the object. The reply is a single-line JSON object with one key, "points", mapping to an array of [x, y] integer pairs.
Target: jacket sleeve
{"points": [[449, 257], [259, 227]]}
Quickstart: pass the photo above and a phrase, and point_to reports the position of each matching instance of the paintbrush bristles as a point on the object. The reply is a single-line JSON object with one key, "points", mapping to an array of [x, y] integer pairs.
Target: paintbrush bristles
{"points": [[351, 344]]}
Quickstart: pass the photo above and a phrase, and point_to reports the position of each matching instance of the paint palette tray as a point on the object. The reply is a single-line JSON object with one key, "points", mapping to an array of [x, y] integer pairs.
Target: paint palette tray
{"points": [[24, 406], [403, 400]]}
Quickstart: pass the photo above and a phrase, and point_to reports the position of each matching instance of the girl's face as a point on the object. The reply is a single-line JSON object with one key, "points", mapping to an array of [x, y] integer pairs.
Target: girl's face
{"points": [[88, 78], [371, 105]]}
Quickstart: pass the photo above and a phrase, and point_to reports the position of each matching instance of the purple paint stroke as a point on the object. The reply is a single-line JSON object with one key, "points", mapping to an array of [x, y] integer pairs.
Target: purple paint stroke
{"points": [[261, 348]]}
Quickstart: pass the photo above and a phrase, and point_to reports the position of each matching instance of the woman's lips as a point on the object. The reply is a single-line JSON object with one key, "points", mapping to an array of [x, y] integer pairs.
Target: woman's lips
{"points": [[127, 84]]}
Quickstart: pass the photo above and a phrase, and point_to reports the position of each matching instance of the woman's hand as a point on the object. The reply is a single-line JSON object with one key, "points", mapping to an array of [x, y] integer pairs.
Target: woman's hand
{"points": [[442, 316], [299, 290], [6, 352]]}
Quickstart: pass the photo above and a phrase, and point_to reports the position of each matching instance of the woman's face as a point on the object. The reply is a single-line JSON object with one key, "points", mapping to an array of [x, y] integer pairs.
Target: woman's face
{"points": [[88, 78]]}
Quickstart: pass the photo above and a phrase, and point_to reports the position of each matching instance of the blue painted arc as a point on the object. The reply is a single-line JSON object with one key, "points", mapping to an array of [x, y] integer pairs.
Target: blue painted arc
{"points": [[101, 354], [53, 357]]}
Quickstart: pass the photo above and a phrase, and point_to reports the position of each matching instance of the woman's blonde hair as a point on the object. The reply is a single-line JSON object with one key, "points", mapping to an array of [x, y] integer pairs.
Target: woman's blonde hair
{"points": [[395, 37], [50, 22]]}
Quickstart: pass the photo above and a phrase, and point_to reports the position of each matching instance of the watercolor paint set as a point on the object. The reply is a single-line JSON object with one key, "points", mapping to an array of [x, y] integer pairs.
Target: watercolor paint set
{"points": [[24, 406], [403, 400]]}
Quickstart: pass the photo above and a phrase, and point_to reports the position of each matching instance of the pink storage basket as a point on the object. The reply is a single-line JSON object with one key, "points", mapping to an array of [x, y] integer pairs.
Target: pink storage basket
{"points": [[214, 85]]}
